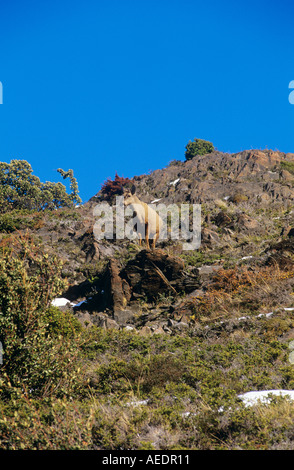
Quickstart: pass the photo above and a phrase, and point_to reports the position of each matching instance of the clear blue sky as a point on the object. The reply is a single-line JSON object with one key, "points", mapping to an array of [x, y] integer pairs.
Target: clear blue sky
{"points": [[121, 86]]}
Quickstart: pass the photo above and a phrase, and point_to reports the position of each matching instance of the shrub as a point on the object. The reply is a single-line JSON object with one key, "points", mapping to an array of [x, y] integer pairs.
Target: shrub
{"points": [[8, 223], [110, 188], [19, 219], [198, 147], [238, 197], [34, 358], [61, 323]]}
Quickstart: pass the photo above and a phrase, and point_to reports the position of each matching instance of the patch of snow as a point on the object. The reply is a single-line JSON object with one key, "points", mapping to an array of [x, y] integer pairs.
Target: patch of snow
{"points": [[247, 257], [264, 396], [226, 198], [265, 314], [61, 302], [137, 402], [289, 309], [173, 183], [186, 414], [155, 200]]}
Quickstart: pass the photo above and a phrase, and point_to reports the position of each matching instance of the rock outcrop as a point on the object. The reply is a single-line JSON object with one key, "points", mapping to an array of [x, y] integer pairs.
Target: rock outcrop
{"points": [[148, 276], [152, 273]]}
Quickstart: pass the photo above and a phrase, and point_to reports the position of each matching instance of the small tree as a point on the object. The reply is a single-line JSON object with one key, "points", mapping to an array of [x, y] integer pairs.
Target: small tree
{"points": [[74, 195], [198, 147], [110, 188], [20, 189]]}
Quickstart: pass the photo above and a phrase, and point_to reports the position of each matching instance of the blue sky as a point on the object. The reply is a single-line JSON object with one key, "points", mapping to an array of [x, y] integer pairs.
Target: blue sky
{"points": [[111, 86]]}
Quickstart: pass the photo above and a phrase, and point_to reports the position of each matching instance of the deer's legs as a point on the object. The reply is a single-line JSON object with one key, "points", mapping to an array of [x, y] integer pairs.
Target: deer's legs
{"points": [[147, 236]]}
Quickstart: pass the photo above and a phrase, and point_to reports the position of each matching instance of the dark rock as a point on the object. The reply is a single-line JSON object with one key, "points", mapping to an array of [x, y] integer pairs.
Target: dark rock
{"points": [[152, 273], [89, 246], [116, 291], [222, 219]]}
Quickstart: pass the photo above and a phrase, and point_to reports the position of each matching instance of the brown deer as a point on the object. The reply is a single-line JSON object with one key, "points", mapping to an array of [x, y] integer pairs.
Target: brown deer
{"points": [[149, 221]]}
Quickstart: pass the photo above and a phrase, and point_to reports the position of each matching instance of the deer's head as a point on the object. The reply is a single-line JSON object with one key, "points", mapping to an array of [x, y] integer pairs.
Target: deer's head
{"points": [[129, 196]]}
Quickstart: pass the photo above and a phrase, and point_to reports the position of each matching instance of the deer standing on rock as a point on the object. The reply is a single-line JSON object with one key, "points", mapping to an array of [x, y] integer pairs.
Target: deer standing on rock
{"points": [[149, 221]]}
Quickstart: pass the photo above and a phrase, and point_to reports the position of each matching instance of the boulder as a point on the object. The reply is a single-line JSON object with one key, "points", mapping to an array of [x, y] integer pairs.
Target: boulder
{"points": [[244, 222], [152, 273], [116, 291]]}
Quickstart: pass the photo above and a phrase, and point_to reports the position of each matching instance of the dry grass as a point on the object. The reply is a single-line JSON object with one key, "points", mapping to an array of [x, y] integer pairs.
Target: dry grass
{"points": [[240, 290]]}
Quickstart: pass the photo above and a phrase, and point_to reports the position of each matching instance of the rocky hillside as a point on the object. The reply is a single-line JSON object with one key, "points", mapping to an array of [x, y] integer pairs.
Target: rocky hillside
{"points": [[182, 335], [246, 202]]}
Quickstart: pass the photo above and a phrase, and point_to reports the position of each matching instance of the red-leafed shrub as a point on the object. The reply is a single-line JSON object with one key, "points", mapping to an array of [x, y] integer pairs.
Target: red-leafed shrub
{"points": [[110, 187]]}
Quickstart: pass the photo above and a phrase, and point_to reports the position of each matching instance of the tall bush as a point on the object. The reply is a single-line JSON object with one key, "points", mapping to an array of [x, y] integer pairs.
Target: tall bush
{"points": [[34, 359]]}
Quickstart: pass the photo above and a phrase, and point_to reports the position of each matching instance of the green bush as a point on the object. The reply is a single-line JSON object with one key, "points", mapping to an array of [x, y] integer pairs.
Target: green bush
{"points": [[19, 219], [8, 223], [34, 357], [61, 323], [198, 147]]}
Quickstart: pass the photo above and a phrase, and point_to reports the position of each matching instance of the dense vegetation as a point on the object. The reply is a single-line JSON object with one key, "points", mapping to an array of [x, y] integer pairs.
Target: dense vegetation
{"points": [[64, 386]]}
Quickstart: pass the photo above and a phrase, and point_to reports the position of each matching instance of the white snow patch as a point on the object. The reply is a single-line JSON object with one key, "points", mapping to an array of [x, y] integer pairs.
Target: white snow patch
{"points": [[61, 302], [129, 328], [226, 198], [264, 396], [265, 314], [137, 402], [186, 414], [155, 200], [173, 183]]}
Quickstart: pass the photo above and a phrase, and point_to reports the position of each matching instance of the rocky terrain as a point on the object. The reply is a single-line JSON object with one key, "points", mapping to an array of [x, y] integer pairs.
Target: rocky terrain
{"points": [[246, 202]]}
